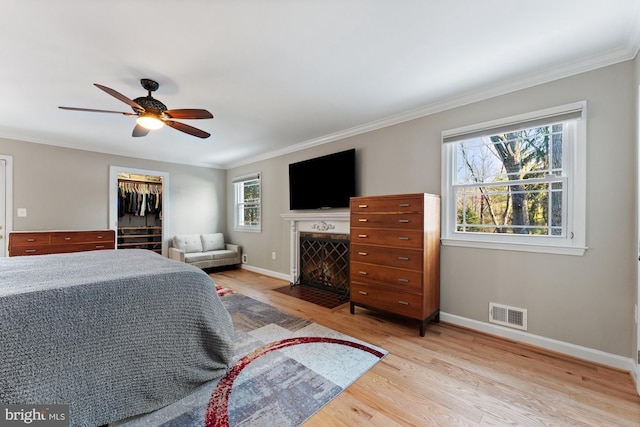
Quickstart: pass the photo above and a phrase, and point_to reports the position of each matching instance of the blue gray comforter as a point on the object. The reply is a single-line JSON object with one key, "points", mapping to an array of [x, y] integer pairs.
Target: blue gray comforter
{"points": [[112, 333]]}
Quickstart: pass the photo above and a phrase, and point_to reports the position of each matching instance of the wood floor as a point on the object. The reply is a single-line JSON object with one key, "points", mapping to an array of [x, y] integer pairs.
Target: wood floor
{"points": [[453, 376]]}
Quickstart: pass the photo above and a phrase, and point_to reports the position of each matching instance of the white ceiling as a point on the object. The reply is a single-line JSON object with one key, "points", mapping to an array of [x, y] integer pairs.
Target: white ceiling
{"points": [[281, 75]]}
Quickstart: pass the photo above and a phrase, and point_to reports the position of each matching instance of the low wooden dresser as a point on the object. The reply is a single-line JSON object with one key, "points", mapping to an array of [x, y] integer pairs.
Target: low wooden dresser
{"points": [[57, 242], [395, 255]]}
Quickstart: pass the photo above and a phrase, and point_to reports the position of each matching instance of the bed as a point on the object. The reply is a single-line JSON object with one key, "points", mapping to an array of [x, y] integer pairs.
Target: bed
{"points": [[112, 333]]}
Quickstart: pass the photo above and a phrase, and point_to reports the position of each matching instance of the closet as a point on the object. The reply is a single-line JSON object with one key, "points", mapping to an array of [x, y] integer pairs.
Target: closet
{"points": [[139, 212]]}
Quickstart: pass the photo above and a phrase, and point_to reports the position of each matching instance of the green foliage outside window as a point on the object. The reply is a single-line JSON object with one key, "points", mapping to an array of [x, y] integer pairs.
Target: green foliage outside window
{"points": [[511, 182]]}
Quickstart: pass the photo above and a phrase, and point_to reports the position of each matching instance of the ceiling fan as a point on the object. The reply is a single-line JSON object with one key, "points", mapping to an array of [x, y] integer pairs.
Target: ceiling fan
{"points": [[153, 114]]}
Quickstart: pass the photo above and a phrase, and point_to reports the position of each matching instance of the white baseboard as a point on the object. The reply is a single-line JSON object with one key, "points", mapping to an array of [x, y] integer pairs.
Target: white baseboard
{"points": [[590, 354], [267, 272], [585, 353]]}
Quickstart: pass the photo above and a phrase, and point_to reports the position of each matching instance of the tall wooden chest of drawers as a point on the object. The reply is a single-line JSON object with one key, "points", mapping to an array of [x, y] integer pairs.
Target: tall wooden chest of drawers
{"points": [[57, 242], [395, 255]]}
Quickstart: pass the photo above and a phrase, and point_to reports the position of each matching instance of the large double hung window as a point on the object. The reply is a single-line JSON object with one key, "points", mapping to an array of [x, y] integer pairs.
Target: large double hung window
{"points": [[517, 183]]}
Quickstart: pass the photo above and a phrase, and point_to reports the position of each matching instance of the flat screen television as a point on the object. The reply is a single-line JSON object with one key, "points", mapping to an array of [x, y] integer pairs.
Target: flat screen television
{"points": [[323, 182]]}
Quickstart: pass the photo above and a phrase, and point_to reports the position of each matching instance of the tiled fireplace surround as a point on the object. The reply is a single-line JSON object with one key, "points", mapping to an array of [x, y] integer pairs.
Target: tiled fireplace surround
{"points": [[318, 223]]}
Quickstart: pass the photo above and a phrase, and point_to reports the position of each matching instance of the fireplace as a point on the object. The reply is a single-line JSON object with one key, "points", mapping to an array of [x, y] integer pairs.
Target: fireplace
{"points": [[326, 235], [324, 262]]}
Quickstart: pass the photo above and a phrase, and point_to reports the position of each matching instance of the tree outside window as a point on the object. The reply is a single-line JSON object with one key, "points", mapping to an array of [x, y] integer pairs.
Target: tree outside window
{"points": [[517, 183], [511, 182]]}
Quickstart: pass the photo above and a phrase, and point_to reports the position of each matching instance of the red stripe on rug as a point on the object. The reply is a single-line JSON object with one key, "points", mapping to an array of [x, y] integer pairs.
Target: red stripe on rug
{"points": [[223, 291], [217, 410]]}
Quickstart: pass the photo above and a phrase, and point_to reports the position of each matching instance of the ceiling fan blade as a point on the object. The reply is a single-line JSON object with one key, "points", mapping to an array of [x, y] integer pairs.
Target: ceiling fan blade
{"points": [[139, 131], [98, 111], [188, 113], [119, 96], [187, 129]]}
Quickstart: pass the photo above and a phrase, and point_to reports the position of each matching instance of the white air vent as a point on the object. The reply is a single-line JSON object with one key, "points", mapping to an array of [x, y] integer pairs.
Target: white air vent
{"points": [[505, 315]]}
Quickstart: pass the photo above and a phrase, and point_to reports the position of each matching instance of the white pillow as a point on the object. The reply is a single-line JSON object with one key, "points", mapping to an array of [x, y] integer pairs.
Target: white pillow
{"points": [[189, 243], [213, 242]]}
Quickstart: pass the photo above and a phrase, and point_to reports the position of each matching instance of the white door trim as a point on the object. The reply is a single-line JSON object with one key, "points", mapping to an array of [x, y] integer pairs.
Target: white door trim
{"points": [[113, 200], [636, 325], [8, 202]]}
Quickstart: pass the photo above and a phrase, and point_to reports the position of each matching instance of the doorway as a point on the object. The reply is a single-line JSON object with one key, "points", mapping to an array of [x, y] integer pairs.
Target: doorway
{"points": [[6, 202], [637, 302], [149, 228]]}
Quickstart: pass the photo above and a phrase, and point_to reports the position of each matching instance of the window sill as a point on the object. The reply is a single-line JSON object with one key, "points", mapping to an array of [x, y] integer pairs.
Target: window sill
{"points": [[546, 249], [249, 230]]}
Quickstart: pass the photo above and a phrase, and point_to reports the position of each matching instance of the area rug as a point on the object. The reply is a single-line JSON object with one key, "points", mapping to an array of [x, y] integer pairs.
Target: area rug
{"points": [[285, 369]]}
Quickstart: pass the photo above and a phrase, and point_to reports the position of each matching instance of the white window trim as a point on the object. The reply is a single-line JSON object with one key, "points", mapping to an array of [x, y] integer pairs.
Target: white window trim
{"points": [[575, 240], [237, 180]]}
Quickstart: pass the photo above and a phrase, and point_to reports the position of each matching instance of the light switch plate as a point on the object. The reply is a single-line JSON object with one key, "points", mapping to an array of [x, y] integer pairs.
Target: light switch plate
{"points": [[22, 212]]}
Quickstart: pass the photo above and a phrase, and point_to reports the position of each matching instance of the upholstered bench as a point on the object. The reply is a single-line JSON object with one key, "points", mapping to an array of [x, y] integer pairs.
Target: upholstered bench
{"points": [[205, 250]]}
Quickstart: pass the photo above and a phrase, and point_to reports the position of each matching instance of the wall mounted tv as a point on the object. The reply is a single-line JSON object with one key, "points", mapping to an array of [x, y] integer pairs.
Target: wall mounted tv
{"points": [[323, 182]]}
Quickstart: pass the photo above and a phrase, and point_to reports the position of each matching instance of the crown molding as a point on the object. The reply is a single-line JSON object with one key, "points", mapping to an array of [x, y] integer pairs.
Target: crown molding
{"points": [[611, 57]]}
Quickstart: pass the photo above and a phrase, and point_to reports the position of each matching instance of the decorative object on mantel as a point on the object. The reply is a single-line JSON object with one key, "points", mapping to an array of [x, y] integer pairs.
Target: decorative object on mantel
{"points": [[323, 226]]}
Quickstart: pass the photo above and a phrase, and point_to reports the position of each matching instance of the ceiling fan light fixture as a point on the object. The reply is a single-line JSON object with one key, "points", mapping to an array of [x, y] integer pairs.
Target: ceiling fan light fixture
{"points": [[149, 121]]}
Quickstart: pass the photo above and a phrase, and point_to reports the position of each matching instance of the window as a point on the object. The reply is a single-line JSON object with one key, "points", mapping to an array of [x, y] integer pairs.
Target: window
{"points": [[248, 214], [517, 183]]}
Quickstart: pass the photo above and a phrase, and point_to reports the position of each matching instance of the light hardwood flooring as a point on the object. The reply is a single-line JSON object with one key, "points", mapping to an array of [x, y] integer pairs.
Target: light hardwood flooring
{"points": [[454, 376]]}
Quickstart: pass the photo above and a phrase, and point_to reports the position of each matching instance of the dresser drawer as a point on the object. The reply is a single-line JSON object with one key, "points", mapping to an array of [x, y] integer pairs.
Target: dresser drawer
{"points": [[60, 249], [403, 303], [396, 278], [30, 250], [388, 237], [28, 239], [408, 203], [407, 221], [80, 247], [82, 237], [401, 258]]}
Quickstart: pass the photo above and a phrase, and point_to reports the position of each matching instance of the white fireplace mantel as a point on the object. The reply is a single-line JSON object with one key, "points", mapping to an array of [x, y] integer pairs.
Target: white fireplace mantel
{"points": [[315, 222]]}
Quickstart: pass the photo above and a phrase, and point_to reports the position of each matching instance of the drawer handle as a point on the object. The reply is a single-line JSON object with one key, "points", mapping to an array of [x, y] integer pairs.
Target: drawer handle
{"points": [[403, 238], [99, 237], [404, 205], [403, 280], [31, 240], [67, 238], [363, 293], [363, 206], [403, 258], [403, 221], [363, 219], [403, 302], [99, 246], [363, 253], [364, 273], [30, 250], [363, 236]]}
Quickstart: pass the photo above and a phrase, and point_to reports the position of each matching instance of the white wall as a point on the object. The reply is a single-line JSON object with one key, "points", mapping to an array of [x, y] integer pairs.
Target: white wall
{"points": [[67, 189], [587, 301]]}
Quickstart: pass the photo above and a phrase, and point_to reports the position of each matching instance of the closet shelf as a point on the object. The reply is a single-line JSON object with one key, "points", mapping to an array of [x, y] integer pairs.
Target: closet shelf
{"points": [[138, 244], [141, 237], [144, 227]]}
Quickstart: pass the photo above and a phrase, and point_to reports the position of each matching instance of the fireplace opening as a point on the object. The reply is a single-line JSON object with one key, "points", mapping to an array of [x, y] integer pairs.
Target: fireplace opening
{"points": [[324, 262]]}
